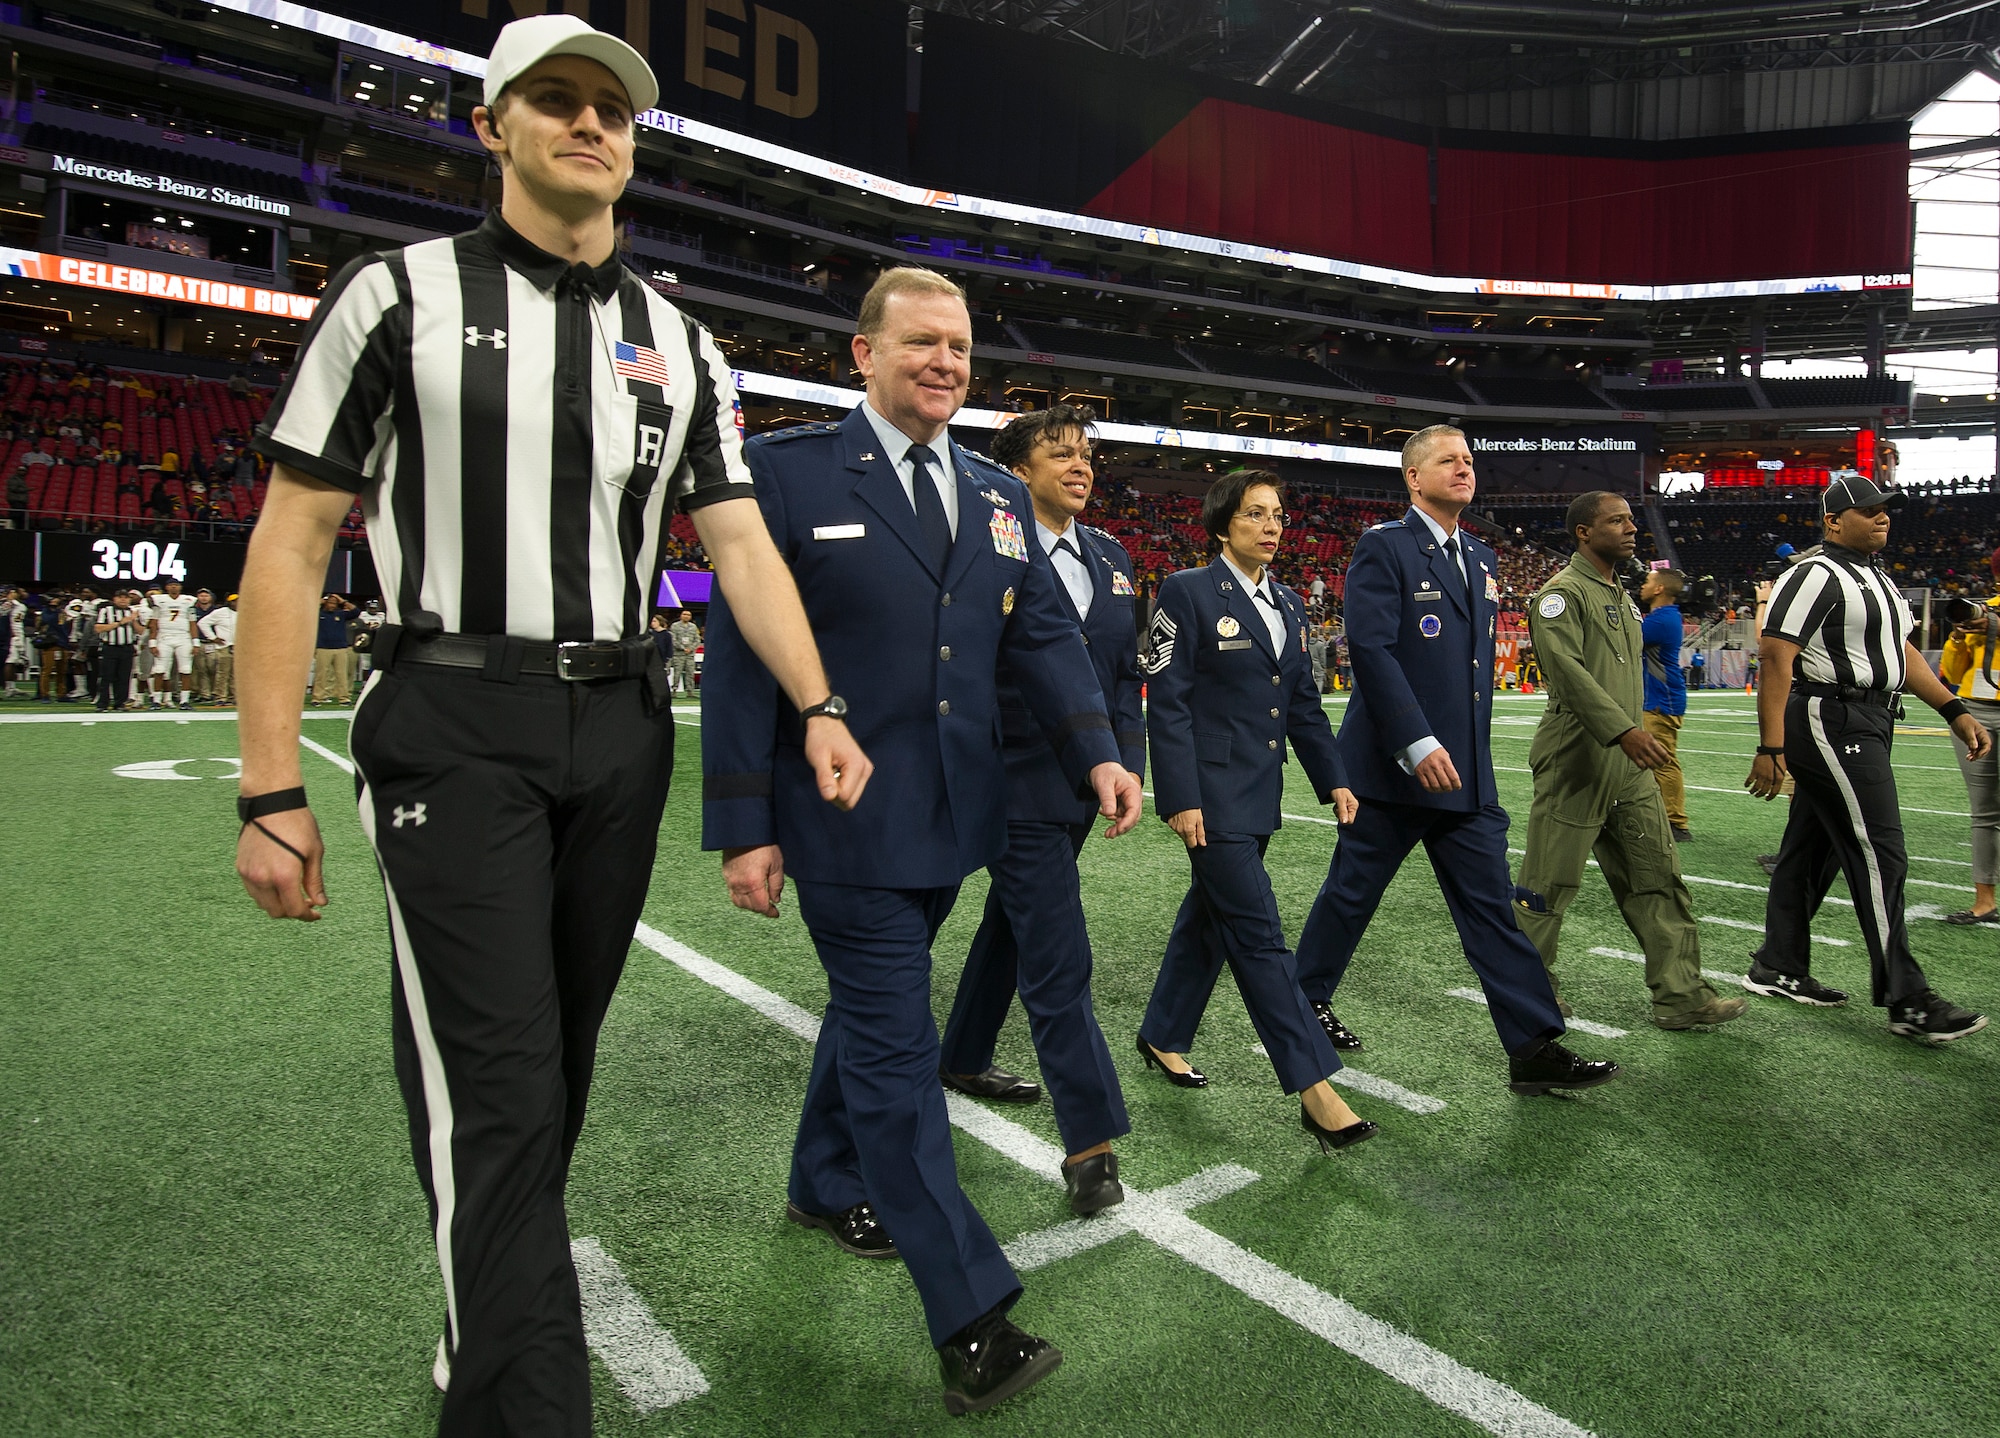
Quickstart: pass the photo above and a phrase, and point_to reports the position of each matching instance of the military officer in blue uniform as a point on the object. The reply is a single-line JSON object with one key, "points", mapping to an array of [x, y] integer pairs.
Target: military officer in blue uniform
{"points": [[1032, 935], [1230, 685], [918, 576], [1422, 600]]}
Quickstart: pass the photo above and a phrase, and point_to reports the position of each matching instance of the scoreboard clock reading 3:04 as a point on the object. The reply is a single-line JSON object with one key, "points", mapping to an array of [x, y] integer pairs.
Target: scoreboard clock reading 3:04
{"points": [[143, 561]]}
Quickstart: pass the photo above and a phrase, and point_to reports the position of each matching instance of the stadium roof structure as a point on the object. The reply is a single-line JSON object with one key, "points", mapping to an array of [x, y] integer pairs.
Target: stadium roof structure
{"points": [[1403, 57]]}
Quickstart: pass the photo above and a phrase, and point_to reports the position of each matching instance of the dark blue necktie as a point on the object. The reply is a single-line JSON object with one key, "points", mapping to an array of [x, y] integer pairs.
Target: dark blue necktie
{"points": [[932, 525], [1451, 548]]}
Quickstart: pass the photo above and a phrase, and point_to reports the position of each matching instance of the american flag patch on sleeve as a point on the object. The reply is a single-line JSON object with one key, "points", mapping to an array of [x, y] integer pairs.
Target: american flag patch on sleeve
{"points": [[640, 363]]}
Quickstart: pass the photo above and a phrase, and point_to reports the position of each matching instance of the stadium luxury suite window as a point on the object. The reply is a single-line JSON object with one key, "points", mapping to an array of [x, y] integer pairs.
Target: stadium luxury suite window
{"points": [[145, 225]]}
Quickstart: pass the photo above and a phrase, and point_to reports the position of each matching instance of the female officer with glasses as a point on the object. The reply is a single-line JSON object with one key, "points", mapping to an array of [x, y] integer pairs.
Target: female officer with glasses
{"points": [[1229, 682]]}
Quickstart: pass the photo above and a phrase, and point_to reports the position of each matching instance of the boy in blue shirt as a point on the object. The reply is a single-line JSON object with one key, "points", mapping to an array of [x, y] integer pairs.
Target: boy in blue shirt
{"points": [[1666, 692]]}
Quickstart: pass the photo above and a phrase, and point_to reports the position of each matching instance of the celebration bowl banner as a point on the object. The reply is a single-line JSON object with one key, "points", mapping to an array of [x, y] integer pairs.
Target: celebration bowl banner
{"points": [[156, 284]]}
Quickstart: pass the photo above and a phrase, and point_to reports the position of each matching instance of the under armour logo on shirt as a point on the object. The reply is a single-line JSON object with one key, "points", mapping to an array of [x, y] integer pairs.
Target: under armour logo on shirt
{"points": [[412, 815], [473, 338]]}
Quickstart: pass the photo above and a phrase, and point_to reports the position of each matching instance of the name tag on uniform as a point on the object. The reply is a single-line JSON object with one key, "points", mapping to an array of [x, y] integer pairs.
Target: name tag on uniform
{"points": [[1423, 594], [839, 531], [1233, 644]]}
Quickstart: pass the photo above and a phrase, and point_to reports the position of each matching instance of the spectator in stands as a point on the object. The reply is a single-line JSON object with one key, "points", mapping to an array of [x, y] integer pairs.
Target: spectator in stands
{"points": [[333, 658], [17, 498]]}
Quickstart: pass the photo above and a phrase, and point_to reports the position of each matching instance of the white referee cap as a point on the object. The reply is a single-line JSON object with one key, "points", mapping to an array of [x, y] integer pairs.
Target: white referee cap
{"points": [[524, 44]]}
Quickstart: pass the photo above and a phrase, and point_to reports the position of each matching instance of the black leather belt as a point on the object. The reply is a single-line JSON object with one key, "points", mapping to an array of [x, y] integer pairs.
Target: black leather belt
{"points": [[1889, 699], [504, 658]]}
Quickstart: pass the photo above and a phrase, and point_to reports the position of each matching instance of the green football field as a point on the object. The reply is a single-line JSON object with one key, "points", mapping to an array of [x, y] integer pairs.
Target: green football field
{"points": [[209, 1225]]}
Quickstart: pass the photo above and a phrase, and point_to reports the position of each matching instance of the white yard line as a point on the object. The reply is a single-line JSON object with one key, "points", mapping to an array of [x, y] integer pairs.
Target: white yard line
{"points": [[1717, 974], [327, 754], [1377, 1087], [1445, 1381], [1759, 928], [1603, 1031], [644, 1358]]}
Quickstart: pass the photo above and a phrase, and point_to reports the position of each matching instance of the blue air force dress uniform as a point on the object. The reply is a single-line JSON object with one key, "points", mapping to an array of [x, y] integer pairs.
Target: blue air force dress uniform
{"points": [[1420, 625], [1032, 935], [1225, 694], [912, 615]]}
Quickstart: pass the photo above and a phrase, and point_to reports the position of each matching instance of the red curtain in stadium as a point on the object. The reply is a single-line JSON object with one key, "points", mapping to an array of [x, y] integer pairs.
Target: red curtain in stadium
{"points": [[1821, 211], [1242, 173]]}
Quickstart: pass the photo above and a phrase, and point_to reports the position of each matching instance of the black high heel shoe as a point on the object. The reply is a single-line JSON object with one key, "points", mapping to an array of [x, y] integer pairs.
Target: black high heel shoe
{"points": [[1193, 1078], [1333, 1138]]}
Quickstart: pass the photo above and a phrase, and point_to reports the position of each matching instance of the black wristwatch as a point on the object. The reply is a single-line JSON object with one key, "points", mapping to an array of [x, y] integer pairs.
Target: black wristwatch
{"points": [[833, 707]]}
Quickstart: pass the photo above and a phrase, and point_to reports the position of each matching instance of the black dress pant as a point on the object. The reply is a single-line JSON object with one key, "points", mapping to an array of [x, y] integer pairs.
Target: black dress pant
{"points": [[516, 826], [114, 675], [1844, 820]]}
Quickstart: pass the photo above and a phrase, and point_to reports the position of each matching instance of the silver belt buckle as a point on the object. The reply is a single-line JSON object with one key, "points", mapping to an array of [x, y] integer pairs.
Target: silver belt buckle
{"points": [[563, 652]]}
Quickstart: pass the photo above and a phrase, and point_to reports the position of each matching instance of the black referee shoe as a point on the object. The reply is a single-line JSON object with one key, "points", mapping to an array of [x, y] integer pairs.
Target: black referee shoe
{"points": [[1930, 1020], [1799, 988]]}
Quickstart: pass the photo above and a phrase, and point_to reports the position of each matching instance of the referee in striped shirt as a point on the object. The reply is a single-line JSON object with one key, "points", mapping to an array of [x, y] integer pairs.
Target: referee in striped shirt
{"points": [[515, 410], [1835, 657]]}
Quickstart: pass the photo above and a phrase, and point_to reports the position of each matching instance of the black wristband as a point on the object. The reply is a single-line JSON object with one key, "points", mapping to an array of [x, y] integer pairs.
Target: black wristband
{"points": [[1776, 751], [1952, 709], [278, 801]]}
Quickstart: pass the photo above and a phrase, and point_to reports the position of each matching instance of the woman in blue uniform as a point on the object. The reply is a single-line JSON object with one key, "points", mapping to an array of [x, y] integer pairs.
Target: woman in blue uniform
{"points": [[1229, 683]]}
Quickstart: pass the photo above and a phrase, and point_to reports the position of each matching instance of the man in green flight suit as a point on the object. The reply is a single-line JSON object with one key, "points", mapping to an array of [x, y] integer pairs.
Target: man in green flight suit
{"points": [[1591, 757]]}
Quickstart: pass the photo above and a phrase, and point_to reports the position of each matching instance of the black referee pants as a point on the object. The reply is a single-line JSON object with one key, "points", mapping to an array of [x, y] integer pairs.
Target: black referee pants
{"points": [[1844, 820], [114, 675], [516, 826]]}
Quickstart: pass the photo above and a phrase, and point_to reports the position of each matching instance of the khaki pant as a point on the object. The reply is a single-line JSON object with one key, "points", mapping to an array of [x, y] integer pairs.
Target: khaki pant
{"points": [[333, 675], [1673, 786], [1636, 853], [222, 676], [204, 675]]}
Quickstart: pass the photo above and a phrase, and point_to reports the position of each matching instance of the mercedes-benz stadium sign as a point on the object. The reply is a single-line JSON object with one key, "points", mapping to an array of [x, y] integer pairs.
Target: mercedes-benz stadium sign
{"points": [[166, 185]]}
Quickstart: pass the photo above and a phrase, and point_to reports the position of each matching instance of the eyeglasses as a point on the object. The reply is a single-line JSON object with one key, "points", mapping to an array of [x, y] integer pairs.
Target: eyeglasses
{"points": [[1259, 516]]}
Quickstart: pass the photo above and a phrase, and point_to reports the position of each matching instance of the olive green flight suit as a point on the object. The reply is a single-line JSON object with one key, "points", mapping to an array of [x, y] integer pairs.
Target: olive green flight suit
{"points": [[1590, 798]]}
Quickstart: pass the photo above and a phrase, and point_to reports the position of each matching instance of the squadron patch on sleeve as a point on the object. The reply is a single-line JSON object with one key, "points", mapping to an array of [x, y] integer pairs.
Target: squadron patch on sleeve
{"points": [[1552, 606], [1159, 643]]}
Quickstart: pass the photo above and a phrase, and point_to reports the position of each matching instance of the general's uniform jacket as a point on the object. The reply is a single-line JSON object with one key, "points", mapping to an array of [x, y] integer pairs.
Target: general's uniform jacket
{"points": [[916, 655], [1421, 650], [1037, 787], [1220, 705]]}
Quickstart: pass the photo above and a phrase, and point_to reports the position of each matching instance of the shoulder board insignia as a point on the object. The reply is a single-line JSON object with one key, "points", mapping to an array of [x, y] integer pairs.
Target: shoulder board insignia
{"points": [[1101, 533], [994, 496], [796, 431]]}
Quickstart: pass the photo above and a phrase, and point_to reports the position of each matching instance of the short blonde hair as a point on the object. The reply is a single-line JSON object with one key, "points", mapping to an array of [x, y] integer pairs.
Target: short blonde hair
{"points": [[1418, 444], [902, 280]]}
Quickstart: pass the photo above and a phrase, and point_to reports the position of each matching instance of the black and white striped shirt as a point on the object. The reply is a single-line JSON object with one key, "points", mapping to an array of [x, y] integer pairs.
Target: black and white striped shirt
{"points": [[514, 425], [1846, 617], [126, 622]]}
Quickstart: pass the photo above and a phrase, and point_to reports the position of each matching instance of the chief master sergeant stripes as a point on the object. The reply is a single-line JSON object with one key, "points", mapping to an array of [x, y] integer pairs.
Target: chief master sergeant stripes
{"points": [[512, 748], [1834, 659]]}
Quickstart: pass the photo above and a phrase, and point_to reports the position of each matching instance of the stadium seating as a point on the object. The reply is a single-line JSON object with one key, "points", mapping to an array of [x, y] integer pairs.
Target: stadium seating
{"points": [[1833, 391], [404, 210], [1535, 393], [199, 168], [1261, 364], [1676, 398], [1404, 384], [1101, 344]]}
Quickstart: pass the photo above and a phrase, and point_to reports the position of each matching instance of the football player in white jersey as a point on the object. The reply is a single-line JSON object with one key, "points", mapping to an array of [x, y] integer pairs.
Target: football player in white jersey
{"points": [[173, 646]]}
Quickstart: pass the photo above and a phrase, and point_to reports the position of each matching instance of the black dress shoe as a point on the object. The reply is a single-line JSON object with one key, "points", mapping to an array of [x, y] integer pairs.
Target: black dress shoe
{"points": [[855, 1229], [995, 1083], [1092, 1184], [1333, 1138], [1337, 1032], [990, 1360], [1193, 1078], [1552, 1066]]}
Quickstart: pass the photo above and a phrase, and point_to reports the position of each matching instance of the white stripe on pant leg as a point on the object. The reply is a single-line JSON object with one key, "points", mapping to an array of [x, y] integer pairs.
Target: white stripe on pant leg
{"points": [[1878, 906], [430, 1063]]}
